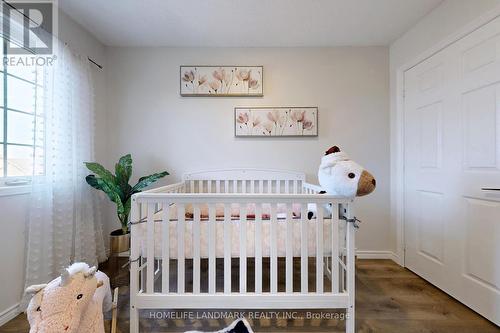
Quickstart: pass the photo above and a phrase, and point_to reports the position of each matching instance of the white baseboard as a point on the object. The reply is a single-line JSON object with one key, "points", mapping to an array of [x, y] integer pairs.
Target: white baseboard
{"points": [[377, 255], [9, 314]]}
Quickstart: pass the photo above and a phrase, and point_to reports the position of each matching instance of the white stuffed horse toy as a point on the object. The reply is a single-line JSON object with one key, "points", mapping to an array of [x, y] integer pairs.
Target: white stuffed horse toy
{"points": [[67, 302], [339, 175]]}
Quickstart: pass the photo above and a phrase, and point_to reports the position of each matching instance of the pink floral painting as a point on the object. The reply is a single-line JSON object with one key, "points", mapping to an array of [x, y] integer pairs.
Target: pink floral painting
{"points": [[220, 81], [279, 121]]}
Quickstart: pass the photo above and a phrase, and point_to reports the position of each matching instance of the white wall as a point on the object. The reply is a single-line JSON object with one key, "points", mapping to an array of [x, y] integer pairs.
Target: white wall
{"points": [[162, 130], [442, 22], [12, 224], [14, 208]]}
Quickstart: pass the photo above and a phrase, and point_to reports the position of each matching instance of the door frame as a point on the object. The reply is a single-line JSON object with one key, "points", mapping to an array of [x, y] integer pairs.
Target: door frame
{"points": [[398, 153]]}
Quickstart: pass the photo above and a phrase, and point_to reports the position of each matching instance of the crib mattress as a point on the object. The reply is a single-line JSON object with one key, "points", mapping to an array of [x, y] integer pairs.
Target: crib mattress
{"points": [[141, 232]]}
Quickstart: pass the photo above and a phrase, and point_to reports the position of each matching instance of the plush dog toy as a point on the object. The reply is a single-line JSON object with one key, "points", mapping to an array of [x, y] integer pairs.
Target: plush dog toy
{"points": [[57, 307], [339, 175]]}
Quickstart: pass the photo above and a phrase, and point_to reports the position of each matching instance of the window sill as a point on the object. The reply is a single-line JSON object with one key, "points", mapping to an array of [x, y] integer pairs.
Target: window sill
{"points": [[7, 191]]}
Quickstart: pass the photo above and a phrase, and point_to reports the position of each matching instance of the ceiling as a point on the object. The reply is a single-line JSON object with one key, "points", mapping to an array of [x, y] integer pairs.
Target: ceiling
{"points": [[247, 23]]}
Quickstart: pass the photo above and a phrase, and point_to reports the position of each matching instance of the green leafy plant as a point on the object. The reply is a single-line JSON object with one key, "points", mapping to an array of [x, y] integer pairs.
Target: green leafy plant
{"points": [[117, 186]]}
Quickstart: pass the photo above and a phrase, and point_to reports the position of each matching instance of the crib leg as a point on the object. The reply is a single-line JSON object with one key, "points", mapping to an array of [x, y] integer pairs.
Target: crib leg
{"points": [[134, 319], [350, 321], [134, 268], [115, 311]]}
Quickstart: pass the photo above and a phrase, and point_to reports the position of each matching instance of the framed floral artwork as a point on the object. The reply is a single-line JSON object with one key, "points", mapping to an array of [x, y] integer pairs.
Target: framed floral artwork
{"points": [[275, 121], [222, 81]]}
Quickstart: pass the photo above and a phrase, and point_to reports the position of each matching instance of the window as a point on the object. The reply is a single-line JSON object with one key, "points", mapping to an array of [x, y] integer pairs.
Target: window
{"points": [[21, 120]]}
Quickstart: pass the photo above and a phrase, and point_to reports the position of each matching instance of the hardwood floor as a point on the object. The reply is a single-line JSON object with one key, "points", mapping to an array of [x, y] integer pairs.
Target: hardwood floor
{"points": [[389, 299]]}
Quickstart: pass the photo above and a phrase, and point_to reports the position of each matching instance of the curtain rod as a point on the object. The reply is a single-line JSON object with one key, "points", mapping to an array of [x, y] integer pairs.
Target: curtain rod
{"points": [[89, 59], [95, 63]]}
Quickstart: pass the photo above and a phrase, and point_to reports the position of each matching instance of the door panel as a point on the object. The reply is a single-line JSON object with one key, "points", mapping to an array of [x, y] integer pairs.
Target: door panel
{"points": [[452, 152], [430, 135], [480, 121], [481, 263], [430, 226], [424, 179]]}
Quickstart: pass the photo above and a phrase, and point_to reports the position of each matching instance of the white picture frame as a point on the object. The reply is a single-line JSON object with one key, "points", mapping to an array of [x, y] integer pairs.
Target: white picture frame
{"points": [[276, 121]]}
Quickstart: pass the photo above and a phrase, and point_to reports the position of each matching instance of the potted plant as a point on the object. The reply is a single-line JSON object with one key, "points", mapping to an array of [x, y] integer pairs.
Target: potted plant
{"points": [[118, 190]]}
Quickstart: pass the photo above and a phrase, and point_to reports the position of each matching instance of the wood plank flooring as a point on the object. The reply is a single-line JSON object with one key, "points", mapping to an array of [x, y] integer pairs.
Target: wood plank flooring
{"points": [[389, 299]]}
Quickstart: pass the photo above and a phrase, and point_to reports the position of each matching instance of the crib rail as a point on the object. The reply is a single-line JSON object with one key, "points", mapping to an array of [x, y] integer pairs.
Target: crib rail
{"points": [[172, 188], [244, 181], [245, 186]]}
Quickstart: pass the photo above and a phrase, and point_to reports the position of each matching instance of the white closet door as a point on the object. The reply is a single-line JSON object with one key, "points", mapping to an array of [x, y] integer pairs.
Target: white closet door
{"points": [[452, 153]]}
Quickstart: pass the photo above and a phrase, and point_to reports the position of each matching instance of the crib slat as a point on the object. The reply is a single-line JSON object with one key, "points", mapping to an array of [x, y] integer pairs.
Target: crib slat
{"points": [[150, 250], [258, 247], [143, 273], [211, 248], [289, 249], [243, 248], [335, 248], [303, 250], [165, 255], [227, 248], [319, 249], [180, 248], [196, 249], [274, 250]]}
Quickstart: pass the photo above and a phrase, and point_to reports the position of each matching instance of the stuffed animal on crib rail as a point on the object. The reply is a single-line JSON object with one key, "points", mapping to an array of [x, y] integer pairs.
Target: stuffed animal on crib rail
{"points": [[339, 175], [57, 307]]}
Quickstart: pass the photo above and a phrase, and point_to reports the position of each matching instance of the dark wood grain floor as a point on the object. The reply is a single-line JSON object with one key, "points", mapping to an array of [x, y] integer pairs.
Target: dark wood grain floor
{"points": [[389, 299]]}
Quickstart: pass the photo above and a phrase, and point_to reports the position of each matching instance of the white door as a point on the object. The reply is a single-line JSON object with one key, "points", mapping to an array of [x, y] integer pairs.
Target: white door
{"points": [[452, 168]]}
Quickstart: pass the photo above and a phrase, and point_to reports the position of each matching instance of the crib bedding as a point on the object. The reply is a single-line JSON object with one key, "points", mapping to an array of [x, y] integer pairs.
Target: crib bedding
{"points": [[282, 221], [235, 210]]}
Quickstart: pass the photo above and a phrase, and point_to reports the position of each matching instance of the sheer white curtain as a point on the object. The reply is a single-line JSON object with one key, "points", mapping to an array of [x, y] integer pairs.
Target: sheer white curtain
{"points": [[64, 218]]}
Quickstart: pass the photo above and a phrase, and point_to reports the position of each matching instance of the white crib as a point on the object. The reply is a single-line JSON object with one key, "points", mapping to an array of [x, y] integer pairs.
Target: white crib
{"points": [[151, 286]]}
